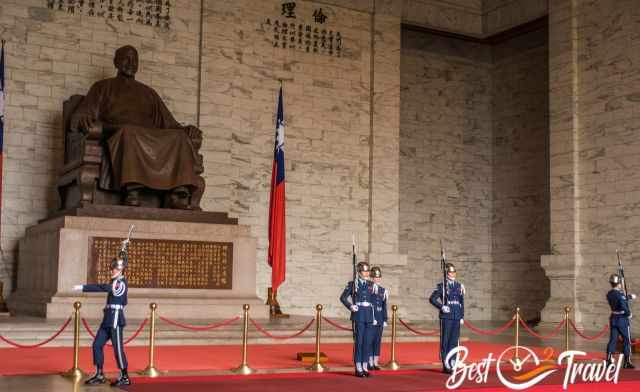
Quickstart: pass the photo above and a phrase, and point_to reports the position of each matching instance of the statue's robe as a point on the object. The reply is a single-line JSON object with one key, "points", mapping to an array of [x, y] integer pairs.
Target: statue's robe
{"points": [[144, 143]]}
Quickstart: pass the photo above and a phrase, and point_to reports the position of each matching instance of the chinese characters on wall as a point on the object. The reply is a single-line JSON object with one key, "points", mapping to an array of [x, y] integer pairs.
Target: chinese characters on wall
{"points": [[166, 263], [146, 12], [289, 31]]}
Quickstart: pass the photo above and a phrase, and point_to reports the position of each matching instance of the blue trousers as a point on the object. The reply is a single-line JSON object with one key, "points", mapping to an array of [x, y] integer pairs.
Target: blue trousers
{"points": [[115, 335], [376, 339], [622, 329], [362, 338], [449, 337]]}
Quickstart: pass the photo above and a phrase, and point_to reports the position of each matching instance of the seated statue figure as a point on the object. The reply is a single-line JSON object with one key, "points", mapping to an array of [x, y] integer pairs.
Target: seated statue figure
{"points": [[145, 147]]}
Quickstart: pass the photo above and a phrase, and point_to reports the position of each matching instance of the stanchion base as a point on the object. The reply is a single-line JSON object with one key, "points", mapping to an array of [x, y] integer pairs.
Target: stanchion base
{"points": [[392, 365], [150, 371], [74, 374], [243, 369], [318, 367]]}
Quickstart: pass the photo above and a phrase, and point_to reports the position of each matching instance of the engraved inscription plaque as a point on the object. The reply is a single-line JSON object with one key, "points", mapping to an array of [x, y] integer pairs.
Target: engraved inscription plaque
{"points": [[165, 263]]}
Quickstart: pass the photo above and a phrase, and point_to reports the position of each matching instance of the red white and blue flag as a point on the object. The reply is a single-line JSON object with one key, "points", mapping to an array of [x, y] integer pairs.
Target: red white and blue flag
{"points": [[277, 231]]}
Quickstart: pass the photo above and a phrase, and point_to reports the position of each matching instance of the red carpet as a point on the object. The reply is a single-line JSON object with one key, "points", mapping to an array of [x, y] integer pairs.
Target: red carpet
{"points": [[407, 381], [189, 358]]}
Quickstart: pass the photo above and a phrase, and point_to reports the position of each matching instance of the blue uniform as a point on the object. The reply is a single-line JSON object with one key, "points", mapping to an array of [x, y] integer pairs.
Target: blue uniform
{"points": [[449, 322], [619, 321], [113, 320], [362, 319], [379, 300]]}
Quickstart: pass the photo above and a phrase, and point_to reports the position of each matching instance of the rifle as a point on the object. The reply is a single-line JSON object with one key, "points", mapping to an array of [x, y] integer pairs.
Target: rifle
{"points": [[124, 249], [621, 273], [443, 266], [355, 273]]}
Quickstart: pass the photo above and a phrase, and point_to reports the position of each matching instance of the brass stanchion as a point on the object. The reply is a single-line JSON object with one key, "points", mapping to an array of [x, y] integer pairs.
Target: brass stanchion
{"points": [[75, 373], [244, 366], [393, 364], [317, 366], [517, 333], [567, 309], [150, 370]]}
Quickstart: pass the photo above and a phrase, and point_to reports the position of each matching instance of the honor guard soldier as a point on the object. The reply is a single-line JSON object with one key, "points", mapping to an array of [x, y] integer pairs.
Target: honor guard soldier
{"points": [[379, 298], [360, 293], [450, 301], [113, 322], [619, 320]]}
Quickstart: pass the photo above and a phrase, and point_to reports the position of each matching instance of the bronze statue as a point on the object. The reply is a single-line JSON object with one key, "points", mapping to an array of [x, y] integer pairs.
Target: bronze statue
{"points": [[145, 147]]}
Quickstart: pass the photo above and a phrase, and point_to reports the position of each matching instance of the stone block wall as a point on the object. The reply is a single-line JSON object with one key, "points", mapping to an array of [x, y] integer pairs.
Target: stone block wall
{"points": [[445, 167], [474, 169], [520, 124]]}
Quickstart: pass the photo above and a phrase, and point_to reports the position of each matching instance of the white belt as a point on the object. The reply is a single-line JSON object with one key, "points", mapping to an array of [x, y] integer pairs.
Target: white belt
{"points": [[453, 302], [110, 306], [618, 312], [364, 304]]}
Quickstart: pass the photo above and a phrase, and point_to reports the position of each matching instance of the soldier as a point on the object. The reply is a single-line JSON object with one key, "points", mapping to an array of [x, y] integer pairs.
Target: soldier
{"points": [[113, 322], [450, 302], [619, 320], [361, 317], [380, 299]]}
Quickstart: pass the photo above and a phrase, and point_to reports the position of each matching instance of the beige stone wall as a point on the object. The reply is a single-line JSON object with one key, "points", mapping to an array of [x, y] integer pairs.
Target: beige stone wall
{"points": [[594, 152], [445, 168], [520, 229], [327, 116]]}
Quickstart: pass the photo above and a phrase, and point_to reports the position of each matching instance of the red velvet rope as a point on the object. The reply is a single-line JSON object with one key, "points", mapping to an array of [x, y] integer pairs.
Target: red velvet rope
{"points": [[336, 325], [135, 334], [583, 336], [496, 331], [543, 337], [417, 332], [55, 335], [200, 328], [266, 333]]}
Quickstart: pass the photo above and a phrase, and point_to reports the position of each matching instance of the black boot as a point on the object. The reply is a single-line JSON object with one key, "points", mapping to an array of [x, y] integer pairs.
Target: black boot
{"points": [[609, 358], [628, 364], [97, 378], [122, 380]]}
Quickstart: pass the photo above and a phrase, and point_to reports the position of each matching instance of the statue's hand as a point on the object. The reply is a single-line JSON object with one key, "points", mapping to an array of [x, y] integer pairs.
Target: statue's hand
{"points": [[193, 132], [81, 123]]}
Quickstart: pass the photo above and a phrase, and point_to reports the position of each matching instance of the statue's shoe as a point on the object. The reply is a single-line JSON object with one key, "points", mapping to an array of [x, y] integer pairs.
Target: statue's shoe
{"points": [[132, 198]]}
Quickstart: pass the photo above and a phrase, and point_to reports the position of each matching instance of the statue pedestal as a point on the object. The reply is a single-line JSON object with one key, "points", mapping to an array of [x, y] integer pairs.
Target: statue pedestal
{"points": [[60, 252]]}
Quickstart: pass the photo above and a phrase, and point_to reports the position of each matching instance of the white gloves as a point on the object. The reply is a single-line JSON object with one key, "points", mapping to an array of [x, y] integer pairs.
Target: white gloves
{"points": [[631, 296], [77, 287], [375, 322], [445, 309], [354, 308], [461, 321], [384, 324]]}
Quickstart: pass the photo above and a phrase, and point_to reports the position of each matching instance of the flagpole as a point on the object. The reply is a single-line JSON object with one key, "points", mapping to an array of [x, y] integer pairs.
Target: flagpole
{"points": [[3, 306]]}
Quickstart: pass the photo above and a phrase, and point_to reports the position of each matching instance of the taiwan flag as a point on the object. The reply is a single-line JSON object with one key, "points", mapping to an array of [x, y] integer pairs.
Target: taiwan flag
{"points": [[277, 232]]}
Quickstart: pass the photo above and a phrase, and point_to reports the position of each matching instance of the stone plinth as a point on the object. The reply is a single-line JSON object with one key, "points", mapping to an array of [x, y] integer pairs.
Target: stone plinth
{"points": [[55, 255]]}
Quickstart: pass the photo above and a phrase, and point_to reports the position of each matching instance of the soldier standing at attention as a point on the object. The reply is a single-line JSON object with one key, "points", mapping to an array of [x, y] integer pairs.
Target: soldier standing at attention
{"points": [[380, 298], [113, 322], [619, 320], [450, 301], [360, 292]]}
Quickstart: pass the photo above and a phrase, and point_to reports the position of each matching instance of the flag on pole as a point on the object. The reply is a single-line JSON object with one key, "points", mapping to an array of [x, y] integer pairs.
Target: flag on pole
{"points": [[277, 232]]}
